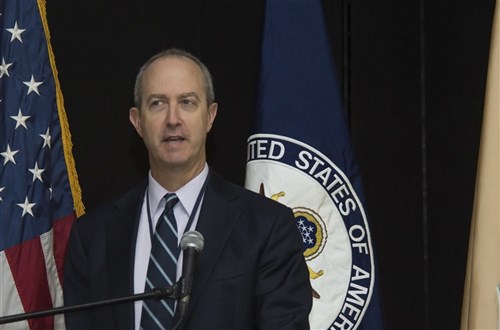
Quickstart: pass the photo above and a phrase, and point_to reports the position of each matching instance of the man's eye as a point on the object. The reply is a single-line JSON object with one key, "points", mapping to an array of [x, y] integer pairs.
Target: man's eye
{"points": [[156, 104], [188, 103]]}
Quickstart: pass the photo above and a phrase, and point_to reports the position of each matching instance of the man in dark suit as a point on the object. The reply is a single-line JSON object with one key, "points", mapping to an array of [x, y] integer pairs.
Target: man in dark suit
{"points": [[251, 273]]}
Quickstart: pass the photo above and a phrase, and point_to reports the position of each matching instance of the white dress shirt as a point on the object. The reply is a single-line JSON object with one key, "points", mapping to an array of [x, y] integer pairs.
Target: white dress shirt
{"points": [[182, 210]]}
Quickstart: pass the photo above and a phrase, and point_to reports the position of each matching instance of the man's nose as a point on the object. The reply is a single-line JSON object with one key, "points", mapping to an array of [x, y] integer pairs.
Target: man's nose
{"points": [[173, 115]]}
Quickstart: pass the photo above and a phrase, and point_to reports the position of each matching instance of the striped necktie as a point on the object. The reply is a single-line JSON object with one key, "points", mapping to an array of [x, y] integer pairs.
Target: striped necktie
{"points": [[162, 269]]}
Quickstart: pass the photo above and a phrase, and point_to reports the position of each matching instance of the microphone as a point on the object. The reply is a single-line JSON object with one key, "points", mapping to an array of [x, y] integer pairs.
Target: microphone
{"points": [[192, 243]]}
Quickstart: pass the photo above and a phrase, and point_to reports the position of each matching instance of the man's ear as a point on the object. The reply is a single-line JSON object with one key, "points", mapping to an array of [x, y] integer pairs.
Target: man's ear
{"points": [[212, 113], [135, 118]]}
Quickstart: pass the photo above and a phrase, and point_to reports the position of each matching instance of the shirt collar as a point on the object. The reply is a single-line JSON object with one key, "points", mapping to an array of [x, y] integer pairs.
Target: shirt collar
{"points": [[187, 194]]}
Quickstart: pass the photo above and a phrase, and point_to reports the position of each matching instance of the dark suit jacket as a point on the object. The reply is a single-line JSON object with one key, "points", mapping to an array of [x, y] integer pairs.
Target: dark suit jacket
{"points": [[251, 273]]}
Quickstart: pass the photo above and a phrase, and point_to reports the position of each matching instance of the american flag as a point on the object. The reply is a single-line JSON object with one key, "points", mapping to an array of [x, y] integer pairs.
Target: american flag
{"points": [[39, 191]]}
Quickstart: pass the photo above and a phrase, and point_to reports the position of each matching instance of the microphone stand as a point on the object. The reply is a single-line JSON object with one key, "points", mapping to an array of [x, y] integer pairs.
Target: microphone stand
{"points": [[157, 293]]}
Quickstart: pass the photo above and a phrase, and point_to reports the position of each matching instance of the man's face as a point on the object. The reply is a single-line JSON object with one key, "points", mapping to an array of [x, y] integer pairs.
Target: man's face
{"points": [[174, 117]]}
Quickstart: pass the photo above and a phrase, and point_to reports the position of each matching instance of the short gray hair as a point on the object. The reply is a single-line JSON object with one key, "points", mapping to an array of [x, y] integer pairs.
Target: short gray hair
{"points": [[179, 53]]}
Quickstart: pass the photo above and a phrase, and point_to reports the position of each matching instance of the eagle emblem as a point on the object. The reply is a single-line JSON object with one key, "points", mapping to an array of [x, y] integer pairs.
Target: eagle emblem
{"points": [[312, 229]]}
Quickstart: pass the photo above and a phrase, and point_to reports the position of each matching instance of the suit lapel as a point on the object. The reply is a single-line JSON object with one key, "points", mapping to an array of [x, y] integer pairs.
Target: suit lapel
{"points": [[121, 236], [215, 223]]}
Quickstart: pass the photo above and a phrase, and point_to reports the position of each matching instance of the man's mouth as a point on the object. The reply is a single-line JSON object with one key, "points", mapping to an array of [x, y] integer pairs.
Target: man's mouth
{"points": [[174, 139]]}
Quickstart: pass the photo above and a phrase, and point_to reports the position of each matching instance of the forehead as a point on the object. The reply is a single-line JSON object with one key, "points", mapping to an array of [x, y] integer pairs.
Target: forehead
{"points": [[173, 72]]}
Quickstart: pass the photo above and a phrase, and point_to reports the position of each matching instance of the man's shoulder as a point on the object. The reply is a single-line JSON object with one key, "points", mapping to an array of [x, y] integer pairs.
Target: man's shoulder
{"points": [[257, 201], [124, 202]]}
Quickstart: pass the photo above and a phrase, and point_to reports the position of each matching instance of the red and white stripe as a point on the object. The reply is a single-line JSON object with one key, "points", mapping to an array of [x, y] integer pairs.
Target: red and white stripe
{"points": [[32, 277]]}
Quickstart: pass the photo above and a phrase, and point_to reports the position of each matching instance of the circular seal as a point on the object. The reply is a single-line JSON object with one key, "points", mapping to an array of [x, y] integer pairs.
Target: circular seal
{"points": [[330, 218]]}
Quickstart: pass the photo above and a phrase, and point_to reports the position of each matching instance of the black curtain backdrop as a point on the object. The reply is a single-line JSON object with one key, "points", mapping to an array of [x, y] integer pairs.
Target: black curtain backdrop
{"points": [[413, 77]]}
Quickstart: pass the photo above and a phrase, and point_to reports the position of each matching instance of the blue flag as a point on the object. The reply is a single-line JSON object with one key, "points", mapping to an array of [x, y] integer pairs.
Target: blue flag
{"points": [[300, 155], [39, 191]]}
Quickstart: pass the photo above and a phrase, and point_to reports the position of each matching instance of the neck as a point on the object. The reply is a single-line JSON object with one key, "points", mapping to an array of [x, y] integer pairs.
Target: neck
{"points": [[173, 179]]}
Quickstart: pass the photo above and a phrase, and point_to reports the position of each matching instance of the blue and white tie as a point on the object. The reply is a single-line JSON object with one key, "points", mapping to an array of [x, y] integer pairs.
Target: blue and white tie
{"points": [[162, 269]]}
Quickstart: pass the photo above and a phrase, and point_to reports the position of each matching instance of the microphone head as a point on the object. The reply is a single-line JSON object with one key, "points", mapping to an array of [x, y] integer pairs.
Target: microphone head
{"points": [[192, 239]]}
